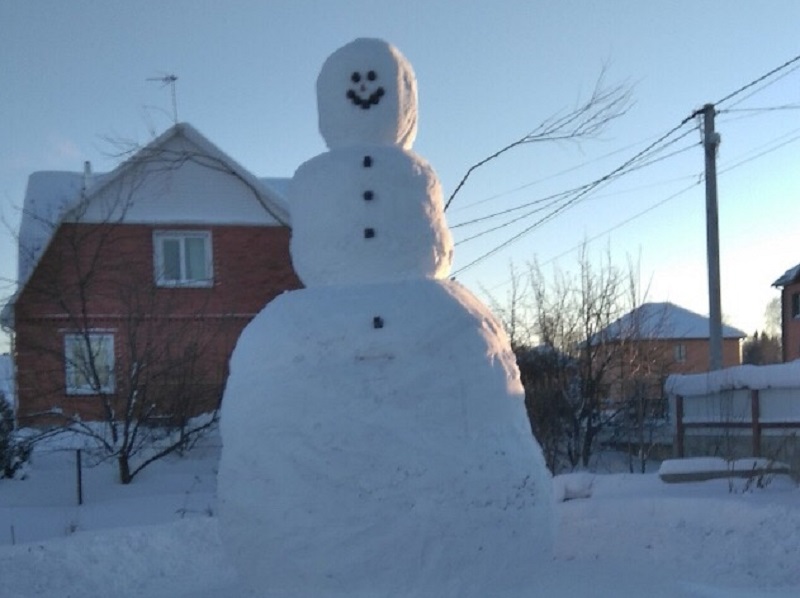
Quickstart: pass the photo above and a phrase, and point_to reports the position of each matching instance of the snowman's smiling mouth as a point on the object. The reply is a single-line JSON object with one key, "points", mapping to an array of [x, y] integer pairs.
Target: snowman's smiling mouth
{"points": [[364, 102]]}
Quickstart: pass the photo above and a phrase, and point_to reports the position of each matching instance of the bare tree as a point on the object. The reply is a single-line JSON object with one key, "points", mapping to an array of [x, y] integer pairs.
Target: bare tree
{"points": [[585, 367], [152, 387], [604, 105], [772, 318]]}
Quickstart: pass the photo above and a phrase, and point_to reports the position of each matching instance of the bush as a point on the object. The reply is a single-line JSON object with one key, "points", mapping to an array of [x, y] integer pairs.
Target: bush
{"points": [[14, 453]]}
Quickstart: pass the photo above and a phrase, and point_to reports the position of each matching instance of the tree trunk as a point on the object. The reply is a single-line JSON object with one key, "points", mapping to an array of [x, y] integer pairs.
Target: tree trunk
{"points": [[124, 469], [588, 440]]}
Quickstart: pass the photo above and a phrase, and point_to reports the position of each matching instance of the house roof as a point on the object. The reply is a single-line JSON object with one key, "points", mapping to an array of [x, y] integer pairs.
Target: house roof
{"points": [[788, 277], [662, 321], [273, 201], [53, 197]]}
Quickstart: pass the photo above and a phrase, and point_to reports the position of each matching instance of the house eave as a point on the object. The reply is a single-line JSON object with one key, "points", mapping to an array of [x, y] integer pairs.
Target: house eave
{"points": [[791, 276]]}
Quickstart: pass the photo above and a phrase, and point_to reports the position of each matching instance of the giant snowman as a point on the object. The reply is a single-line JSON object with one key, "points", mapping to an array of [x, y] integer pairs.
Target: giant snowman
{"points": [[374, 431]]}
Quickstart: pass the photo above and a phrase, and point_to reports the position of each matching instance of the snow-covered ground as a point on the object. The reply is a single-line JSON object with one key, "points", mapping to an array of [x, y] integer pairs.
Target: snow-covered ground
{"points": [[623, 535]]}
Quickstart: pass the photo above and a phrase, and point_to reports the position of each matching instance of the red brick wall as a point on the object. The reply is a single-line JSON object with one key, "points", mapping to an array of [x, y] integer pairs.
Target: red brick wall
{"points": [[790, 324], [112, 267], [659, 361], [698, 358]]}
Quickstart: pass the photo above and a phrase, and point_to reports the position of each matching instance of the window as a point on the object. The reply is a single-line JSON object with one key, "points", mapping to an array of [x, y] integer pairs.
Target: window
{"points": [[680, 353], [183, 258], [89, 363], [796, 305]]}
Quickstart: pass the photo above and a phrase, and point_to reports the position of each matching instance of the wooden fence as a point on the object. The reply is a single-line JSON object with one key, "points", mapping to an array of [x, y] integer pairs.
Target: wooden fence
{"points": [[743, 414]]}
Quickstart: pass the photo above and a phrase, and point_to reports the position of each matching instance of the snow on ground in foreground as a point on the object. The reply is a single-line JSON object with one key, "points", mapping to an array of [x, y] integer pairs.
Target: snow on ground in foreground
{"points": [[632, 535]]}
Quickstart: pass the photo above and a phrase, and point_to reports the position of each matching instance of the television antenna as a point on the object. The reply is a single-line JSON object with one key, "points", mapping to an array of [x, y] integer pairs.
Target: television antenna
{"points": [[169, 80]]}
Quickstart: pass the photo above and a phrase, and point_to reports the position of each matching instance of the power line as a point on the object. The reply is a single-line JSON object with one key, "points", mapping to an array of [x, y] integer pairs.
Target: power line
{"points": [[675, 195], [549, 177], [758, 80], [621, 169], [761, 109], [581, 194], [765, 152], [581, 187], [565, 193], [628, 220]]}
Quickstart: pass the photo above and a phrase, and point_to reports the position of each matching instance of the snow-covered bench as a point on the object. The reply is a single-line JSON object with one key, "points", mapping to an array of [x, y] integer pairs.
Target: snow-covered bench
{"points": [[698, 469]]}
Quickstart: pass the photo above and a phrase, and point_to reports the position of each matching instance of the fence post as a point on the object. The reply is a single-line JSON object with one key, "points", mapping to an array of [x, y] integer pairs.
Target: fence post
{"points": [[755, 421], [679, 429], [79, 474]]}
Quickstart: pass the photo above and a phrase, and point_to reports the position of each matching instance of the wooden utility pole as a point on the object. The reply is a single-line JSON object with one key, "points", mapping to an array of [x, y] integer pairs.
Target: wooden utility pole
{"points": [[711, 143]]}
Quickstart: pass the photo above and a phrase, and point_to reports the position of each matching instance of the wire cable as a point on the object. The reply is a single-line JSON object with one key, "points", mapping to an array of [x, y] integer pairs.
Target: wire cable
{"points": [[758, 80], [581, 194]]}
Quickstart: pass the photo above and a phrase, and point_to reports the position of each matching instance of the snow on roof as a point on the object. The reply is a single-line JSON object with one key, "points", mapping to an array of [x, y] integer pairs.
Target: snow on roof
{"points": [[47, 198], [54, 196], [781, 375], [208, 154], [279, 186], [664, 321], [788, 277]]}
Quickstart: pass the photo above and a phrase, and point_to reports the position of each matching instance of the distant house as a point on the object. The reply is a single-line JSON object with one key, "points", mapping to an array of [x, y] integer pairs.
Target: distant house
{"points": [[789, 283], [134, 285], [658, 339], [681, 336]]}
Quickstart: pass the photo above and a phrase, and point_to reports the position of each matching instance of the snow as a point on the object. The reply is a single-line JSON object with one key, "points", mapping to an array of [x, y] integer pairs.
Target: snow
{"points": [[631, 536], [376, 441], [359, 71], [182, 178], [378, 411], [664, 321], [761, 377], [48, 197], [716, 467], [788, 277], [330, 216], [409, 440]]}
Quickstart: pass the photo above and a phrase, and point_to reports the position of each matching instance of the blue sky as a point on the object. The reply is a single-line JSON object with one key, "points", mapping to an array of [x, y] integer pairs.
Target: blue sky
{"points": [[74, 74]]}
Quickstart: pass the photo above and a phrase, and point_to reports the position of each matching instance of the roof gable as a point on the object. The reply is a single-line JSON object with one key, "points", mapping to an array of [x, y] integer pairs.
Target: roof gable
{"points": [[662, 321], [180, 183], [202, 183], [790, 276]]}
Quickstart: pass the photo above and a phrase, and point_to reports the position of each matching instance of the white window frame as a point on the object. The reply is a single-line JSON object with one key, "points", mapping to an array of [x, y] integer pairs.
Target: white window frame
{"points": [[679, 353], [104, 341], [159, 237]]}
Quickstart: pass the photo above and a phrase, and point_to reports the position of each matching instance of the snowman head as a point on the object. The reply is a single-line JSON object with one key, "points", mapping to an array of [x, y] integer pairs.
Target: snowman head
{"points": [[367, 93]]}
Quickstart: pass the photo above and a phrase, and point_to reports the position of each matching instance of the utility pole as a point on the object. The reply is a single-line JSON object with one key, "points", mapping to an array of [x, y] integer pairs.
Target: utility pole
{"points": [[711, 143]]}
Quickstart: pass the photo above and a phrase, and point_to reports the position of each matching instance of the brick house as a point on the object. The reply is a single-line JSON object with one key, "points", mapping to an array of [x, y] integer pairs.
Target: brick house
{"points": [[658, 339], [789, 283], [133, 286]]}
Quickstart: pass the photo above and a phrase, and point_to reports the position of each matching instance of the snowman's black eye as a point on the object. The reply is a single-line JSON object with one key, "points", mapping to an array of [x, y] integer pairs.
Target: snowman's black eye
{"points": [[372, 76], [355, 77]]}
